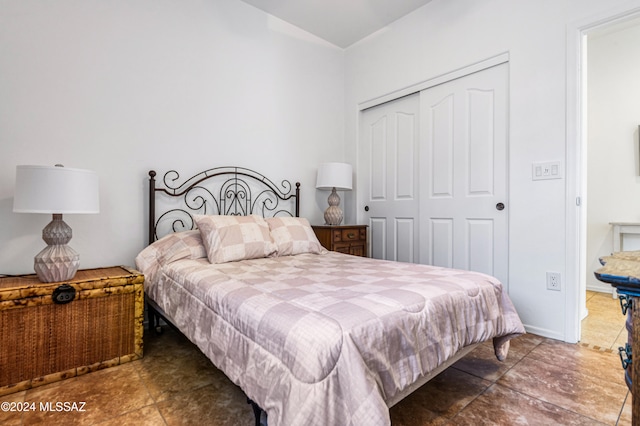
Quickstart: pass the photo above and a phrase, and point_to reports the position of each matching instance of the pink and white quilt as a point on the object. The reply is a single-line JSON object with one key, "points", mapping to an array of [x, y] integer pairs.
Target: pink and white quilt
{"points": [[328, 338]]}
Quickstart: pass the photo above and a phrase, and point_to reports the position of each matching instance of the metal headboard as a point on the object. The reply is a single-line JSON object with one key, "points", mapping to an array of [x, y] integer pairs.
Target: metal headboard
{"points": [[221, 190]]}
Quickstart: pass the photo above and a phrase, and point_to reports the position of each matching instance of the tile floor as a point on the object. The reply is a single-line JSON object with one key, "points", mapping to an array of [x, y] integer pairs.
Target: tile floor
{"points": [[604, 327], [542, 382]]}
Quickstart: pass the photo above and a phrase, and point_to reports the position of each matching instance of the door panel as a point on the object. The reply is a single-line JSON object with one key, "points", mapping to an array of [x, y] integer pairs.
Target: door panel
{"points": [[464, 136], [441, 170], [388, 178], [480, 233], [378, 150], [378, 237], [405, 231], [406, 156], [481, 138], [441, 245]]}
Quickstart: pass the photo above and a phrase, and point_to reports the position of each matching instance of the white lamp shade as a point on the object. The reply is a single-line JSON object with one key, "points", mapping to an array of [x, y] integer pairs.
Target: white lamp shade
{"points": [[55, 190], [334, 175]]}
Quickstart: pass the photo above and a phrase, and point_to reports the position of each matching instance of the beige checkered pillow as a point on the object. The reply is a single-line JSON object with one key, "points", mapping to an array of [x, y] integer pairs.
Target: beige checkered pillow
{"points": [[185, 244], [293, 235], [231, 238], [171, 247]]}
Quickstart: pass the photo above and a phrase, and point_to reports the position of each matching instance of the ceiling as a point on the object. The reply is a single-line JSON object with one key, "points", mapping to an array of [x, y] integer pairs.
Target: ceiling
{"points": [[340, 22]]}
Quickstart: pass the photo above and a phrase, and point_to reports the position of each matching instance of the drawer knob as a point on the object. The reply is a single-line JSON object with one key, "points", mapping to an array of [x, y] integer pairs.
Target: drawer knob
{"points": [[351, 235]]}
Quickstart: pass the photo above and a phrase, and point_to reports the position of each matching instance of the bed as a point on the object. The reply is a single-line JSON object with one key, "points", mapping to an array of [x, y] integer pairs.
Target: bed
{"points": [[310, 336]]}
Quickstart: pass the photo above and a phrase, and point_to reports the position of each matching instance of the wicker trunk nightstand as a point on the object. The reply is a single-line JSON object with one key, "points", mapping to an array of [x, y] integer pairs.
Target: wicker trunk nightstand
{"points": [[349, 239], [97, 327]]}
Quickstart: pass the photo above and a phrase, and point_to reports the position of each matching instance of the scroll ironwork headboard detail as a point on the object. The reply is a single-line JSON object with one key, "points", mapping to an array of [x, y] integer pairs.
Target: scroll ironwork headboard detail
{"points": [[221, 190]]}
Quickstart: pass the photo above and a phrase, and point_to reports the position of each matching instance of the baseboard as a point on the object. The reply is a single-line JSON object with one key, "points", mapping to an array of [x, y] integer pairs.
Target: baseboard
{"points": [[600, 288], [552, 334]]}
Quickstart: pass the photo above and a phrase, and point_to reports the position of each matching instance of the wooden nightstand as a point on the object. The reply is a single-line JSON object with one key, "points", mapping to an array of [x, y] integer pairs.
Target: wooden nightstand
{"points": [[349, 239], [96, 323]]}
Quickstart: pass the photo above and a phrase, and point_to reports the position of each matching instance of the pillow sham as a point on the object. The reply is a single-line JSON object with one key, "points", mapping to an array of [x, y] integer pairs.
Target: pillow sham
{"points": [[294, 235], [233, 238], [171, 247]]}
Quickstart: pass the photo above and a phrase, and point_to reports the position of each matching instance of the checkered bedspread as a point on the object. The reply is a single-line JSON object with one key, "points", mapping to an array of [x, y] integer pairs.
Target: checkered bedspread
{"points": [[329, 339]]}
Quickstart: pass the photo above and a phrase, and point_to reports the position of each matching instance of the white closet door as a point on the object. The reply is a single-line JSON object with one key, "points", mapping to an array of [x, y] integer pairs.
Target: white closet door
{"points": [[463, 173], [388, 178]]}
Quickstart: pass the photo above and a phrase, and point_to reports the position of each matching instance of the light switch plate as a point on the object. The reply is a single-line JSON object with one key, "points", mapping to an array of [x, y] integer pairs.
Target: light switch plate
{"points": [[546, 170]]}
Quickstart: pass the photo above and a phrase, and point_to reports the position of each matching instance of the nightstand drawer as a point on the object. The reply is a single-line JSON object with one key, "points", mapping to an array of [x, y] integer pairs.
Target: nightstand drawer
{"points": [[349, 239], [349, 234]]}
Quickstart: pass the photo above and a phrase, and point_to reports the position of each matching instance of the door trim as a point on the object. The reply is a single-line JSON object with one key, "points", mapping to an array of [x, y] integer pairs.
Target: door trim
{"points": [[443, 78], [575, 221]]}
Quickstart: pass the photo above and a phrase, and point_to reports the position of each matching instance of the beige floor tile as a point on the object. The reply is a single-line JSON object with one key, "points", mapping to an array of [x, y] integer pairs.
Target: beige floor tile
{"points": [[11, 415], [605, 323], [626, 414], [207, 405], [106, 394], [441, 398], [621, 340], [175, 366], [600, 339], [145, 416], [599, 363], [578, 390], [482, 362], [502, 406], [604, 302], [525, 343]]}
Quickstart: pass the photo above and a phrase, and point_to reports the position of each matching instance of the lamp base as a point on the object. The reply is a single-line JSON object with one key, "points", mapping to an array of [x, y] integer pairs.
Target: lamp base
{"points": [[56, 263], [333, 214]]}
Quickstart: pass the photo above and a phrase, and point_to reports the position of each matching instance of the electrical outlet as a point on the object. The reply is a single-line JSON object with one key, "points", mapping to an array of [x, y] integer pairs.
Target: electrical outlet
{"points": [[553, 281]]}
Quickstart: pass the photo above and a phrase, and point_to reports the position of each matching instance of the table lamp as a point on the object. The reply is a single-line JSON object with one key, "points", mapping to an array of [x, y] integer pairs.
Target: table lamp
{"points": [[336, 177], [56, 190]]}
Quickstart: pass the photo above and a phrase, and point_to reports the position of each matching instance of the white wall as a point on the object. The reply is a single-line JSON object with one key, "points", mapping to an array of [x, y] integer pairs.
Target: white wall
{"points": [[445, 35], [123, 86], [613, 158]]}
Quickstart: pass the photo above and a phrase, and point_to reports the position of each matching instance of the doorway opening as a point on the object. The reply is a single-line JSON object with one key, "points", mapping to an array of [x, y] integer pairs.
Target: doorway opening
{"points": [[603, 150]]}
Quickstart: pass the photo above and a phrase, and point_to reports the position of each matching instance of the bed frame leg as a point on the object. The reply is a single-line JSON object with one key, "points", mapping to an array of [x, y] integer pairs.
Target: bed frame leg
{"points": [[154, 320], [157, 328], [258, 413]]}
